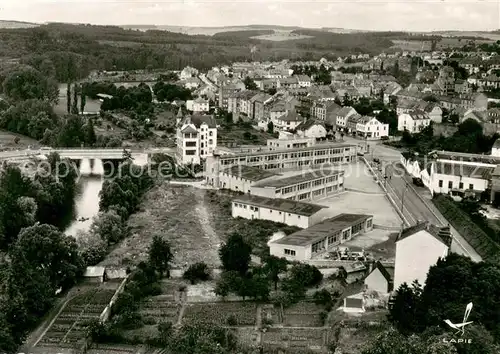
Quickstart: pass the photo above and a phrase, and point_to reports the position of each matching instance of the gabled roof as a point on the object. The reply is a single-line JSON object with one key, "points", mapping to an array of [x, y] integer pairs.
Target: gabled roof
{"points": [[291, 116], [344, 111], [284, 205], [308, 124], [198, 119], [278, 107], [442, 234], [383, 271]]}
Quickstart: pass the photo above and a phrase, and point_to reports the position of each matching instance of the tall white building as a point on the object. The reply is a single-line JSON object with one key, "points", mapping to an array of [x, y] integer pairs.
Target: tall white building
{"points": [[196, 138]]}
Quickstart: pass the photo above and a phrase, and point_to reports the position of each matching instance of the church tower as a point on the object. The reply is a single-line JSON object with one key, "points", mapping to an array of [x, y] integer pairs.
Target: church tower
{"points": [[179, 116]]}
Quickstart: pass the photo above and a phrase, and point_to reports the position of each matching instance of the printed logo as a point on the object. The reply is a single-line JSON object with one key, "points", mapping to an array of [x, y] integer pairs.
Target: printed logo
{"points": [[460, 327]]}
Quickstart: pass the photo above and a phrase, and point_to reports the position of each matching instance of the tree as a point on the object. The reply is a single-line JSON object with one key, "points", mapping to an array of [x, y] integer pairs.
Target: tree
{"points": [[74, 102], [68, 97], [270, 127], [28, 84], [250, 84], [83, 100], [197, 271], [274, 266], [90, 136], [324, 298], [92, 247], [108, 226], [404, 310], [160, 255], [235, 254], [228, 282]]}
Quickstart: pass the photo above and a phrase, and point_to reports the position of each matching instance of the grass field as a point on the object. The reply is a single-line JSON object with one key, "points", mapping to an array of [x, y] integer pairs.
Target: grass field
{"points": [[7, 141], [278, 36]]}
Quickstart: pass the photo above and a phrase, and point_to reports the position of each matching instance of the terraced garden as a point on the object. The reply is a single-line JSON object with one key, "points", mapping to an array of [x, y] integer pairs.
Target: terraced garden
{"points": [[295, 339], [221, 313], [303, 314], [69, 328]]}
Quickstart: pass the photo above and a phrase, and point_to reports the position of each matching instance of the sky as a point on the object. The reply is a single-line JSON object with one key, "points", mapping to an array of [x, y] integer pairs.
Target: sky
{"points": [[407, 15]]}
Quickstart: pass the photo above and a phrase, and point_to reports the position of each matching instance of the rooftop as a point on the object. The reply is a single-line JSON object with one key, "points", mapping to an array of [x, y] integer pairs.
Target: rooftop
{"points": [[285, 205], [464, 170], [442, 234], [249, 173], [303, 177], [323, 229], [91, 272], [286, 151]]}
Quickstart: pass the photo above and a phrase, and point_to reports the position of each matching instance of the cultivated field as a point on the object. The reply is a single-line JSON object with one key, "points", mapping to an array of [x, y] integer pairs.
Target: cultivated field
{"points": [[278, 36], [294, 339], [69, 328], [303, 314], [221, 313]]}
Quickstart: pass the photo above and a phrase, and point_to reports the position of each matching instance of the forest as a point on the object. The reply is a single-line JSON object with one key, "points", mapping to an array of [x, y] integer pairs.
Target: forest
{"points": [[72, 51]]}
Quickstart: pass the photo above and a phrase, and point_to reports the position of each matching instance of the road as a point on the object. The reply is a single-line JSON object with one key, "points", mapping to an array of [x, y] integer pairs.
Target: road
{"points": [[415, 202]]}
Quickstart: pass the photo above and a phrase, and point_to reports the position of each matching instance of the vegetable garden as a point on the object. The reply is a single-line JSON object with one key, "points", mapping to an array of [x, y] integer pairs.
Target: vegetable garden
{"points": [[222, 314], [294, 338], [303, 314], [69, 328]]}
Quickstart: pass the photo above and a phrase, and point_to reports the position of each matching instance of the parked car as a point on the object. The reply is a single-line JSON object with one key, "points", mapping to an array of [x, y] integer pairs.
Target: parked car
{"points": [[418, 182]]}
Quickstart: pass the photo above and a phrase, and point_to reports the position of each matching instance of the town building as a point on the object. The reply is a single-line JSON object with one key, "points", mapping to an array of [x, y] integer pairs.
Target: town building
{"points": [[380, 279], [319, 155], [198, 105], [311, 129], [196, 138], [306, 186], [288, 140], [417, 249], [371, 129], [288, 121], [413, 121], [305, 244], [342, 115], [284, 211], [241, 178], [324, 110]]}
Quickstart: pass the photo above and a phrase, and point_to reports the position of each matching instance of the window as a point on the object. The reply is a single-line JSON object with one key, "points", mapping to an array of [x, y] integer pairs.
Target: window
{"points": [[471, 186], [440, 183], [190, 152], [289, 252], [318, 246], [461, 185], [190, 143], [369, 223], [450, 184]]}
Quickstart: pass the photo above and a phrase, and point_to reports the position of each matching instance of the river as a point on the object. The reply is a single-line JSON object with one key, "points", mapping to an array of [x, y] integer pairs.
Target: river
{"points": [[86, 204]]}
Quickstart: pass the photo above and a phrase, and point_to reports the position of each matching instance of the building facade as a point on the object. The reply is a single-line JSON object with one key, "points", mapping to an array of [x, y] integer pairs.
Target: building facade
{"points": [[283, 211], [196, 138], [413, 122], [305, 244]]}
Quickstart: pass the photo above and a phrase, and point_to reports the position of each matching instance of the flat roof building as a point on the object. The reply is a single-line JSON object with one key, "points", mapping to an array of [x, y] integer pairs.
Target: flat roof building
{"points": [[284, 211], [316, 156], [305, 244], [305, 186], [240, 178]]}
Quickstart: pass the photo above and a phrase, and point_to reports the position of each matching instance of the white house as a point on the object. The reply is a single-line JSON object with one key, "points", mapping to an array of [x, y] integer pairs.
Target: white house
{"points": [[304, 81], [417, 249], [198, 105], [311, 129], [460, 177], [196, 138], [192, 83], [188, 72], [413, 122], [342, 115], [380, 279], [288, 121], [370, 128], [284, 211], [321, 237]]}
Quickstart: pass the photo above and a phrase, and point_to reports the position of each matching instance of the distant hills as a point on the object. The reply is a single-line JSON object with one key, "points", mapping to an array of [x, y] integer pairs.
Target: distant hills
{"points": [[17, 24]]}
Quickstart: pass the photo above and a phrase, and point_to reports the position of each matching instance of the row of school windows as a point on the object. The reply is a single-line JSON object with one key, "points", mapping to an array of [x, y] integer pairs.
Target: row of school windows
{"points": [[286, 156], [450, 185], [288, 190], [252, 208]]}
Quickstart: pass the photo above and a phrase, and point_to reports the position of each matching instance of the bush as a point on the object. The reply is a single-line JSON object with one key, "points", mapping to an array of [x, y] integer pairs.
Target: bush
{"points": [[149, 320], [198, 271]]}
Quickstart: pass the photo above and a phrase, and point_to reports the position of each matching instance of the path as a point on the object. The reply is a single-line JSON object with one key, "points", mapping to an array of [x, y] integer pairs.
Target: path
{"points": [[209, 233]]}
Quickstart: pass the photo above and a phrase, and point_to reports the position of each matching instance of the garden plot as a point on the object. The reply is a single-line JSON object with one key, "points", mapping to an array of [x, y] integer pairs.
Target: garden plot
{"points": [[296, 339], [271, 313], [303, 314], [222, 314], [69, 327], [161, 310]]}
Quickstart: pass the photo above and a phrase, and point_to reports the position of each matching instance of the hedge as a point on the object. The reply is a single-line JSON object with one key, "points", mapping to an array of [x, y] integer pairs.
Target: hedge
{"points": [[469, 230]]}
